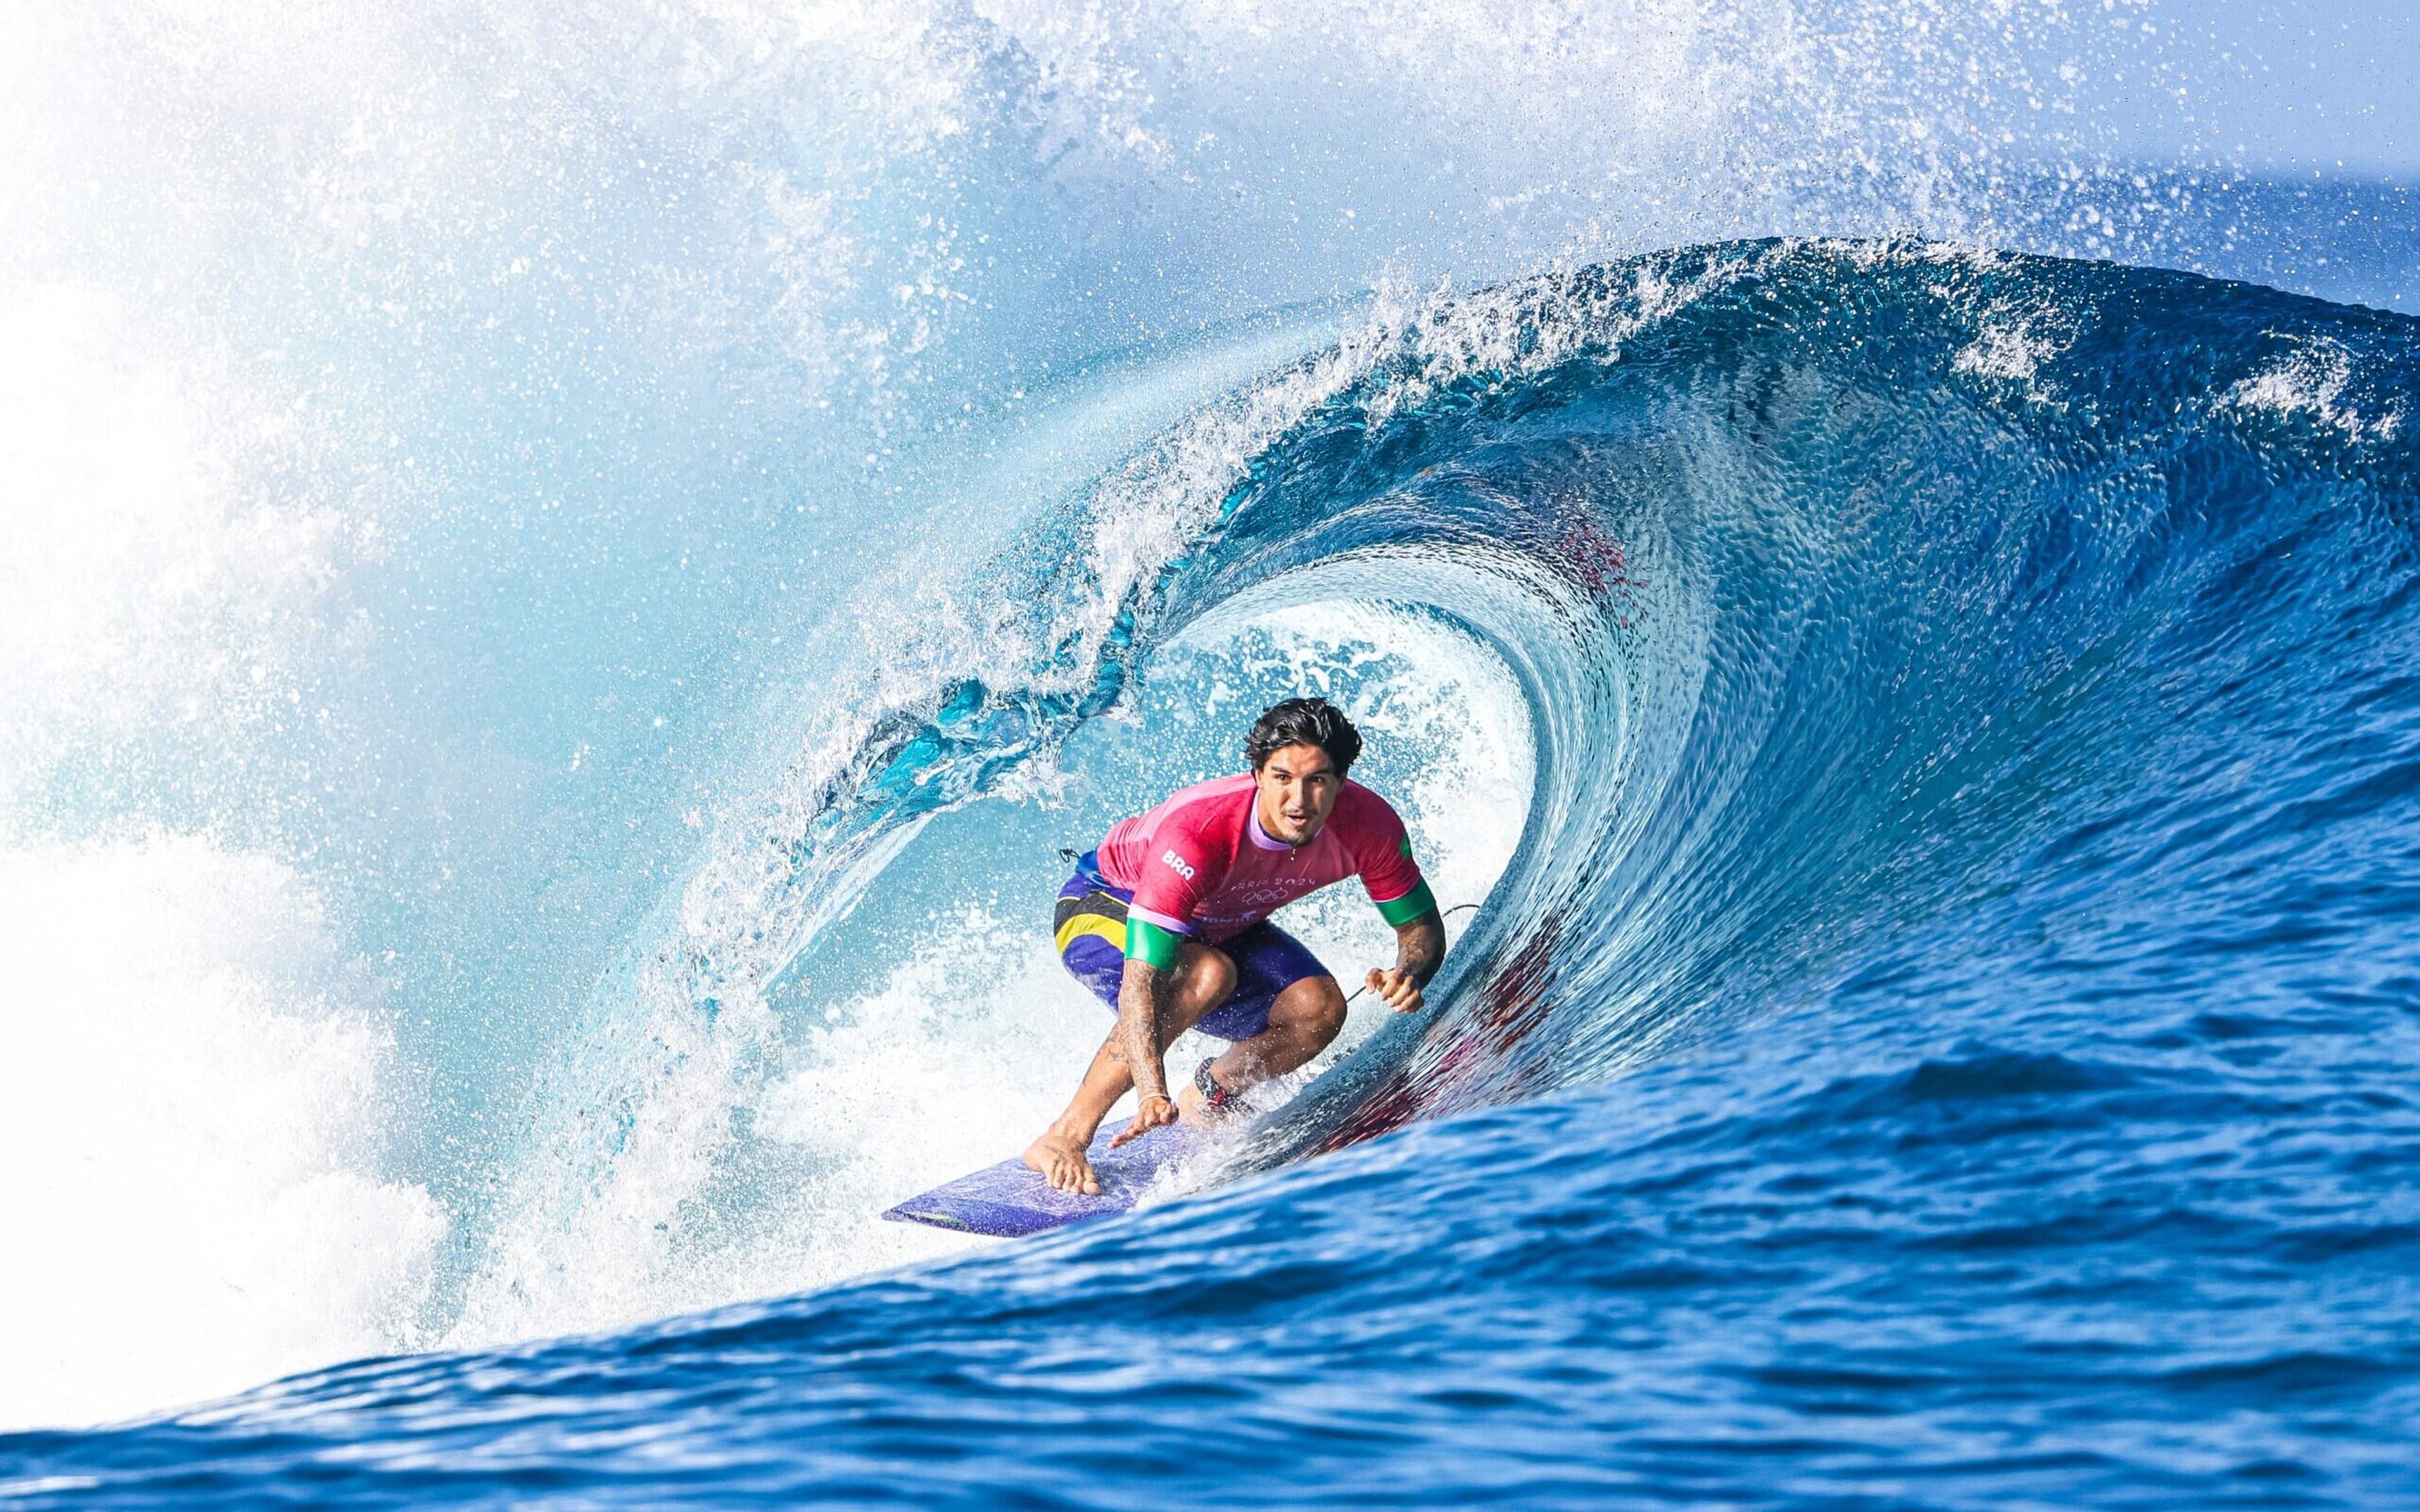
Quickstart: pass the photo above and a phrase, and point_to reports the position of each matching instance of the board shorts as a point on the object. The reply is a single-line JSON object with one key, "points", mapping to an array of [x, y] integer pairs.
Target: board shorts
{"points": [[1090, 924]]}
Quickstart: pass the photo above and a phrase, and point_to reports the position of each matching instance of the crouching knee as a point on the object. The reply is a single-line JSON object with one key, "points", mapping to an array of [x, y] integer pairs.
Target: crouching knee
{"points": [[1314, 1008]]}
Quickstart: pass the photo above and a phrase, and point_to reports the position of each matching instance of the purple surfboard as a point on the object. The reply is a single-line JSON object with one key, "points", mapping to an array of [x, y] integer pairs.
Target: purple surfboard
{"points": [[1007, 1200]]}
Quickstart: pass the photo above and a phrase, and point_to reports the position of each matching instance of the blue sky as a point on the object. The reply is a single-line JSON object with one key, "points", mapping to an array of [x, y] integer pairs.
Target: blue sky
{"points": [[2270, 85]]}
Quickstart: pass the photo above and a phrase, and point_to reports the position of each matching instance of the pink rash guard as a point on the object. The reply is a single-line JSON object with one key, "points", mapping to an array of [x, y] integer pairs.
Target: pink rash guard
{"points": [[1200, 865]]}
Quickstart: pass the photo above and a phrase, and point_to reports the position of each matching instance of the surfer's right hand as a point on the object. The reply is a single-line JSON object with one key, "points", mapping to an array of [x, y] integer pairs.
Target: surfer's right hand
{"points": [[1150, 1114], [1060, 1162]]}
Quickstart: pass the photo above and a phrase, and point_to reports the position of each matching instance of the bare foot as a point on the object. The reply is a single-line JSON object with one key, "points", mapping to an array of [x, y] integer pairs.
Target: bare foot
{"points": [[1061, 1163]]}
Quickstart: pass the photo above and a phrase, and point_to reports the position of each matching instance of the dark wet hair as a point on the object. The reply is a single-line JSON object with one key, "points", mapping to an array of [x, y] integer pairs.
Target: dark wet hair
{"points": [[1304, 722]]}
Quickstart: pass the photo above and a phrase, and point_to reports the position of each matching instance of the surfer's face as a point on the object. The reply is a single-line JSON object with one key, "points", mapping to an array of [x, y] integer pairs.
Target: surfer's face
{"points": [[1297, 791]]}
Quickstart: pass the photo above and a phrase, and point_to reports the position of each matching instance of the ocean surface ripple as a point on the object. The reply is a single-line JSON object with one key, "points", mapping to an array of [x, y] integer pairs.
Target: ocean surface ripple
{"points": [[1948, 1036]]}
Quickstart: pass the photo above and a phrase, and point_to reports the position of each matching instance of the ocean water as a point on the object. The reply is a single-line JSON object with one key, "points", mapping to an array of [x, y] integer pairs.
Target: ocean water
{"points": [[571, 571]]}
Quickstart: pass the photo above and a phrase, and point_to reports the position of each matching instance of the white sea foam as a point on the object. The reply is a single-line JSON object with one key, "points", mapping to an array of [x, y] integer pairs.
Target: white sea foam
{"points": [[958, 1060], [2311, 382], [144, 587], [2014, 351], [194, 1076], [195, 1094]]}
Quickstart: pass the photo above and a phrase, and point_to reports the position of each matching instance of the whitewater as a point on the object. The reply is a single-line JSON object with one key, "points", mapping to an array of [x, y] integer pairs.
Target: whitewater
{"points": [[569, 571]]}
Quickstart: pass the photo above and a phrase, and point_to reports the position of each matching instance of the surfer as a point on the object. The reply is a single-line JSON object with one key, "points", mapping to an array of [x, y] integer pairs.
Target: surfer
{"points": [[1168, 923]]}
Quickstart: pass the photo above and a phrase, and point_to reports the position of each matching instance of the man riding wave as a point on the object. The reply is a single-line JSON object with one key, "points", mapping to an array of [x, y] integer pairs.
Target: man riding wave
{"points": [[1168, 923]]}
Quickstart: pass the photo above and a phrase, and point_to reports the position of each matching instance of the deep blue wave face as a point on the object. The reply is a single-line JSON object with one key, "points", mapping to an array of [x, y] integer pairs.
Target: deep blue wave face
{"points": [[1947, 1037]]}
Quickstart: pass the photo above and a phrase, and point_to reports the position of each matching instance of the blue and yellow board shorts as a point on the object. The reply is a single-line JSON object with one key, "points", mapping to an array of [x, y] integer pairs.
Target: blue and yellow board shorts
{"points": [[1091, 930]]}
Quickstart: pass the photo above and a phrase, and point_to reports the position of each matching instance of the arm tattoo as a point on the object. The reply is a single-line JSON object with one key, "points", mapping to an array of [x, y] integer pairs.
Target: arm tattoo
{"points": [[1142, 1006]]}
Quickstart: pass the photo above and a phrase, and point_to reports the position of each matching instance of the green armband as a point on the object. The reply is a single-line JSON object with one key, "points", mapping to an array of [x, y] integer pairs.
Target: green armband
{"points": [[1149, 942], [1416, 903]]}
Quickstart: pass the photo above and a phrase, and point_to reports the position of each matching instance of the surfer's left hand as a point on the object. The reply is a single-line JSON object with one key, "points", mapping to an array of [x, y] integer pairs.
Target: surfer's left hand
{"points": [[1397, 988]]}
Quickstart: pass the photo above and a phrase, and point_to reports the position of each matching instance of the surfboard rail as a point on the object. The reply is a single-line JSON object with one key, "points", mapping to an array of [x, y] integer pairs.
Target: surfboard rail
{"points": [[1010, 1200]]}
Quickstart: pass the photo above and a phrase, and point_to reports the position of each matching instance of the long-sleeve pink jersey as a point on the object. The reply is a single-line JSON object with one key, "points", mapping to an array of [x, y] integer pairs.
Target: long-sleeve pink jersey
{"points": [[1200, 865]]}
